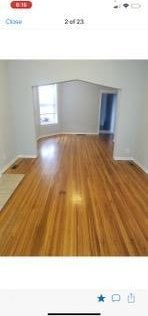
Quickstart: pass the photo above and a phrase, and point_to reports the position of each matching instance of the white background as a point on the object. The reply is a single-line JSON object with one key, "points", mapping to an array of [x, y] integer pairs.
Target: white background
{"points": [[79, 44], [74, 273]]}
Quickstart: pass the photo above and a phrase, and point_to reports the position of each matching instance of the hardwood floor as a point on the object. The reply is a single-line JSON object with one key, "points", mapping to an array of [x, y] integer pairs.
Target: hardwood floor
{"points": [[21, 166], [76, 201]]}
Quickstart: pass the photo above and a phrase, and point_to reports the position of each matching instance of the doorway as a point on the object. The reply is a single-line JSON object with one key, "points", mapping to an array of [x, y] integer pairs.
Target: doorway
{"points": [[108, 110]]}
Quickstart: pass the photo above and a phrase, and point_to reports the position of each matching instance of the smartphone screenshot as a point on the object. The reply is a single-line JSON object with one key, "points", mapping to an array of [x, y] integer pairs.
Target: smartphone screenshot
{"points": [[73, 158]]}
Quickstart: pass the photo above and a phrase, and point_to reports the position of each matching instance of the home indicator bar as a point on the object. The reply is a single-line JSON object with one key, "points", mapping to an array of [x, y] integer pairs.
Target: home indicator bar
{"points": [[74, 314]]}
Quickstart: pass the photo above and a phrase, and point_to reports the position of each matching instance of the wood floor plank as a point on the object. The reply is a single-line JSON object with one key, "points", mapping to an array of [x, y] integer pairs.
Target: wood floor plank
{"points": [[75, 200]]}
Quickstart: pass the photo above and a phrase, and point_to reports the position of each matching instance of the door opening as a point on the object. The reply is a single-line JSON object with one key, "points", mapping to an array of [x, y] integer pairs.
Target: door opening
{"points": [[107, 120]]}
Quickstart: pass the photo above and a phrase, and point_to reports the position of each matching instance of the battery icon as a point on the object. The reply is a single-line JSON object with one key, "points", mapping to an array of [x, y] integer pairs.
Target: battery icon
{"points": [[135, 5]]}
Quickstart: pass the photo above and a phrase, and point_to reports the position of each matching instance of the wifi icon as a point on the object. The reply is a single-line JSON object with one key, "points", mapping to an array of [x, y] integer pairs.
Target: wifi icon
{"points": [[125, 5]]}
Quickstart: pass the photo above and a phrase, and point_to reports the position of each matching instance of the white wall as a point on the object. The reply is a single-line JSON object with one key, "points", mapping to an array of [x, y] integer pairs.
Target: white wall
{"points": [[21, 100], [78, 107], [141, 152], [125, 75], [7, 139]]}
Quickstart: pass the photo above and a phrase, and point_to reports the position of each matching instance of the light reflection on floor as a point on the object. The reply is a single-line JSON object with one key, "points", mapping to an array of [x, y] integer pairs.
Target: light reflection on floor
{"points": [[77, 198], [48, 151]]}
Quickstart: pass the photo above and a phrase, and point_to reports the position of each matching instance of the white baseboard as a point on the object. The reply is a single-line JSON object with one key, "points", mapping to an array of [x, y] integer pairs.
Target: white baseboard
{"points": [[105, 132], [134, 160], [65, 133], [141, 166], [123, 158], [47, 135], [27, 156], [9, 164]]}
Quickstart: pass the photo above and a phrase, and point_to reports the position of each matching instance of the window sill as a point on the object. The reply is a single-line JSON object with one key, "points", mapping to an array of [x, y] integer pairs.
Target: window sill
{"points": [[45, 124]]}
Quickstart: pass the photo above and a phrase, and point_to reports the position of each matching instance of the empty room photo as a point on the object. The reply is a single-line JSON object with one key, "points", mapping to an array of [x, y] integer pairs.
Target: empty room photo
{"points": [[73, 158]]}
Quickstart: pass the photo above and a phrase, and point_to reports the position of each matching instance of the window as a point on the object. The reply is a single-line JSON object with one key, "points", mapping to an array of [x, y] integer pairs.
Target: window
{"points": [[48, 104]]}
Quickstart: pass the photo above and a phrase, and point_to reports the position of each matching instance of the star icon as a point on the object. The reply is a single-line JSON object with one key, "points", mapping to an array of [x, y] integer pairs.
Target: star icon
{"points": [[101, 298]]}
